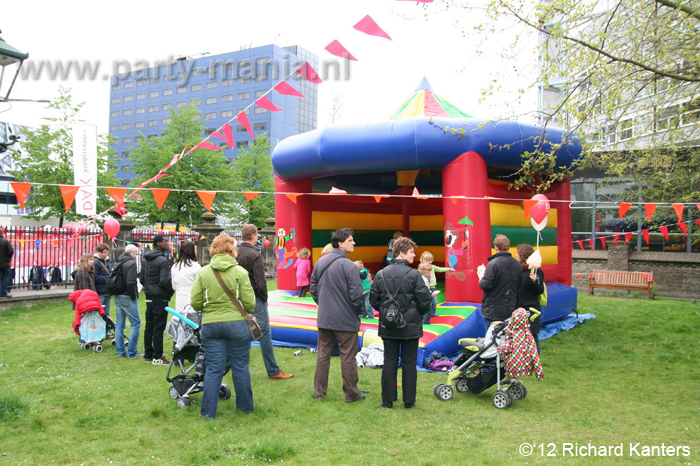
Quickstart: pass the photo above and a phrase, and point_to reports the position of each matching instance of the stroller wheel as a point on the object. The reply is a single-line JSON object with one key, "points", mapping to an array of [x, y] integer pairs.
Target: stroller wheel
{"points": [[173, 393], [224, 393], [97, 348], [85, 346], [517, 390], [183, 402], [461, 385], [443, 391], [502, 399], [114, 342]]}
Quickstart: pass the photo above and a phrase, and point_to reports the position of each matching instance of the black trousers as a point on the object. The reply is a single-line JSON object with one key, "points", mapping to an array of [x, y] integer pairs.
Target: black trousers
{"points": [[156, 318], [408, 349]]}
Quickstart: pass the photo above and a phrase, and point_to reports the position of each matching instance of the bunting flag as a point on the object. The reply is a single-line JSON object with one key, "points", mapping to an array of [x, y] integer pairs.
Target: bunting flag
{"points": [[683, 227], [337, 49], [370, 27], [679, 210], [580, 244], [250, 196], [645, 234], [628, 237], [118, 195], [378, 199], [624, 207], [175, 159], [578, 275], [68, 193], [243, 119], [227, 137], [616, 238], [207, 198], [698, 220], [650, 208], [664, 230], [37, 243], [292, 196], [335, 190], [160, 195], [591, 243], [417, 195], [307, 72], [207, 145], [21, 191], [285, 89], [264, 102], [602, 240], [527, 205]]}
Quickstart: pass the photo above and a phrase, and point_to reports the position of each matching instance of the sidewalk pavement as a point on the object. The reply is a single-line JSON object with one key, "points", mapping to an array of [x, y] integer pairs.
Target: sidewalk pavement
{"points": [[28, 297]]}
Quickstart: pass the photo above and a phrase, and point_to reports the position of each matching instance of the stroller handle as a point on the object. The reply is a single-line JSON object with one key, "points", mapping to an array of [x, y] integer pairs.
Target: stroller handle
{"points": [[182, 318]]}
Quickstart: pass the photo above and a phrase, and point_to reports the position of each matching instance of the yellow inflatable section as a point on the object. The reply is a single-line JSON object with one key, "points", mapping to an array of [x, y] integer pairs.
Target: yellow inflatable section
{"points": [[364, 221], [549, 254], [509, 215]]}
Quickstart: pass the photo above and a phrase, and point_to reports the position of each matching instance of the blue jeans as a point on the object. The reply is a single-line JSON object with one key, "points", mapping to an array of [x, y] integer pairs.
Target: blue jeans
{"points": [[127, 308], [268, 353], [4, 280], [226, 341], [104, 299], [368, 312]]}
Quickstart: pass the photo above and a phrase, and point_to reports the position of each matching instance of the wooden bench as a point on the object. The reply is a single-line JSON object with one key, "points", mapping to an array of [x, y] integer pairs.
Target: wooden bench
{"points": [[620, 280]]}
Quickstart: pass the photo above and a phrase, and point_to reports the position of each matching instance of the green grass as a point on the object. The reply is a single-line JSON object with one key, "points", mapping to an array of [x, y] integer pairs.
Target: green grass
{"points": [[629, 376]]}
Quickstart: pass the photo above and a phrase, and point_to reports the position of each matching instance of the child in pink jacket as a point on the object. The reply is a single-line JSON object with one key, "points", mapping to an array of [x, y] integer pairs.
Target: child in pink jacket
{"points": [[303, 267]]}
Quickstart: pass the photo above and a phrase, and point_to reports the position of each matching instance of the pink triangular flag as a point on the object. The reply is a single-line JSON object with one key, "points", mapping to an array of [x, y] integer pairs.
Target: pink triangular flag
{"points": [[628, 237], [307, 72], [285, 89], [243, 119], [603, 241], [335, 190], [591, 243], [227, 135], [645, 234], [616, 238], [369, 26], [580, 244], [207, 145], [337, 49], [264, 102]]}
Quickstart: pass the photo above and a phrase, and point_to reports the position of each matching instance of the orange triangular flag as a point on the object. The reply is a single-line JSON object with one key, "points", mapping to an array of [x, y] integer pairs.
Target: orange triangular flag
{"points": [[117, 194], [207, 198], [683, 227], [250, 196], [679, 210], [624, 207], [650, 208], [160, 195], [378, 199], [292, 196], [527, 205], [21, 191], [68, 193], [645, 234], [664, 230]]}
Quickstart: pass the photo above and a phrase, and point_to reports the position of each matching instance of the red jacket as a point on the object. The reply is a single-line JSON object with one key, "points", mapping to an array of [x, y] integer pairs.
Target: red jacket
{"points": [[85, 301]]}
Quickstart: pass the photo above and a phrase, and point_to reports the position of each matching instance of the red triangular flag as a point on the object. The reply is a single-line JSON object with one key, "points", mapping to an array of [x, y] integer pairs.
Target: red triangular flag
{"points": [[650, 208], [243, 119], [160, 195], [21, 191], [335, 190], [602, 240], [698, 206], [578, 275], [264, 102], [591, 243], [616, 238], [369, 26], [378, 199], [645, 234], [683, 227], [285, 89], [337, 49], [679, 210], [664, 230], [250, 196], [624, 207], [207, 145], [628, 237], [580, 244], [292, 196], [207, 198], [117, 194], [68, 193], [307, 72], [527, 205]]}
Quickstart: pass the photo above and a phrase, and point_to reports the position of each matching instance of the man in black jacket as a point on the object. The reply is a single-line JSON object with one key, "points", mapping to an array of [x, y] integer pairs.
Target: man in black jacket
{"points": [[103, 267], [156, 281], [127, 306], [6, 253], [251, 260], [500, 282]]}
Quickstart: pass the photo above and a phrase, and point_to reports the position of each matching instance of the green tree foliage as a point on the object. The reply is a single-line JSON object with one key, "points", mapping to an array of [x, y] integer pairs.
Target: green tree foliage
{"points": [[253, 173], [46, 156], [202, 170]]}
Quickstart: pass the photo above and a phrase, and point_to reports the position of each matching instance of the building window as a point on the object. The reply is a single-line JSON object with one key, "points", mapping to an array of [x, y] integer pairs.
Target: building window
{"points": [[115, 100], [113, 128], [198, 72], [227, 82], [126, 126], [242, 145], [128, 85], [168, 77], [153, 94], [181, 90], [126, 113], [244, 110], [241, 129], [153, 108], [140, 124], [141, 110], [212, 85], [126, 140], [114, 114], [243, 95], [224, 114], [155, 80], [167, 92], [260, 127], [210, 100], [165, 121], [138, 138], [141, 82], [140, 96], [116, 87], [196, 87], [210, 116], [244, 80], [128, 98], [260, 93], [167, 107], [125, 155], [259, 110], [180, 104], [227, 98], [152, 123]]}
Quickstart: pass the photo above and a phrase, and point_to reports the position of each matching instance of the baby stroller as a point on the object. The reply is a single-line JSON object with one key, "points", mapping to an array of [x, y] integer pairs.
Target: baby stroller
{"points": [[188, 358], [90, 322], [480, 366]]}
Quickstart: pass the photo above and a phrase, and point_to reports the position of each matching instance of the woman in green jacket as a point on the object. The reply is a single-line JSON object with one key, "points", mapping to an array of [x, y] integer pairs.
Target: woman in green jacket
{"points": [[225, 334]]}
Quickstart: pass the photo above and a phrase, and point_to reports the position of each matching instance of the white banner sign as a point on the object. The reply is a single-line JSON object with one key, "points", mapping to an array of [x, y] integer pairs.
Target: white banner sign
{"points": [[85, 168]]}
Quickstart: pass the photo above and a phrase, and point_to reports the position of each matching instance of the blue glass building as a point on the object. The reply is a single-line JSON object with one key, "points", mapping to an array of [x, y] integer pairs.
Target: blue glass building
{"points": [[224, 85]]}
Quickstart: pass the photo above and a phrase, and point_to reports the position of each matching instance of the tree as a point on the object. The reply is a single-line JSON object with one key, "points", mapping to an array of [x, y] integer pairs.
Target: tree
{"points": [[253, 172], [46, 157], [202, 170]]}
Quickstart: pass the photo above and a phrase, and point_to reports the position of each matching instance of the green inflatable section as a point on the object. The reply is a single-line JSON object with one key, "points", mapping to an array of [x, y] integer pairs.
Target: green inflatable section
{"points": [[528, 235]]}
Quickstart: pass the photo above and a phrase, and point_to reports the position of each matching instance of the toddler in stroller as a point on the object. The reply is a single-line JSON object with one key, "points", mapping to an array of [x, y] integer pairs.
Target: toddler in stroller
{"points": [[188, 357], [90, 322], [507, 352]]}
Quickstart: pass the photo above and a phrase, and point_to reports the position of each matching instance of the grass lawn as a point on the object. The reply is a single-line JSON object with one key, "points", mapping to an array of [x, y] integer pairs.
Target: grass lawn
{"points": [[630, 376]]}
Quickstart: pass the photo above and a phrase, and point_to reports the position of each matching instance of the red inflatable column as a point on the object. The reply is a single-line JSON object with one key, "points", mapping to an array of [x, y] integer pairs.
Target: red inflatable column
{"points": [[564, 269], [467, 226], [293, 226]]}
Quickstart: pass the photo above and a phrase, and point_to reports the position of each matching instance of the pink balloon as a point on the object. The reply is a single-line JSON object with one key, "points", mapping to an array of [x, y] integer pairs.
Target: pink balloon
{"points": [[539, 211], [111, 227]]}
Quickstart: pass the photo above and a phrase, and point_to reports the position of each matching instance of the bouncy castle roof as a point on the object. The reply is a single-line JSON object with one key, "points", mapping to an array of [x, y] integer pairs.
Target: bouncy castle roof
{"points": [[424, 102]]}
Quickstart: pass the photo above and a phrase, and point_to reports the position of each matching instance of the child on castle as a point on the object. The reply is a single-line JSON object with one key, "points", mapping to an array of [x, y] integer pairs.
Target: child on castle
{"points": [[427, 258], [303, 267], [368, 311]]}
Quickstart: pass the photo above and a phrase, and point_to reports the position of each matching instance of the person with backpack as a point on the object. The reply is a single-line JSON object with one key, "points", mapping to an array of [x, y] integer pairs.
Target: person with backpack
{"points": [[402, 297], [123, 286], [103, 267]]}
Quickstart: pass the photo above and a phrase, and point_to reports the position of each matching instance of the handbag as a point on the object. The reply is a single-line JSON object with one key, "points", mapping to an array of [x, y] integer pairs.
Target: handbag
{"points": [[253, 326]]}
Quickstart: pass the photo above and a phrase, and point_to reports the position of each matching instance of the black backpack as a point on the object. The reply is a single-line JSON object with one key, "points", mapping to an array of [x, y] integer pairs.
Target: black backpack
{"points": [[390, 315], [116, 282]]}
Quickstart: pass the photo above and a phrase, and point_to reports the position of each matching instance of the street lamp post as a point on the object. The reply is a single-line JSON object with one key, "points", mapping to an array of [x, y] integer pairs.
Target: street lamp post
{"points": [[9, 56]]}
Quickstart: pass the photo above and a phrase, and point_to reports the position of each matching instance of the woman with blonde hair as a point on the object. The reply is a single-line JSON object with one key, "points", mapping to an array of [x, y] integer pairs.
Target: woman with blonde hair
{"points": [[225, 333]]}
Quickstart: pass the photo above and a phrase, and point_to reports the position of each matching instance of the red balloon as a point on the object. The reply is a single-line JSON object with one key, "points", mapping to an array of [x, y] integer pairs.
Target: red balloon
{"points": [[266, 242], [539, 211], [111, 227]]}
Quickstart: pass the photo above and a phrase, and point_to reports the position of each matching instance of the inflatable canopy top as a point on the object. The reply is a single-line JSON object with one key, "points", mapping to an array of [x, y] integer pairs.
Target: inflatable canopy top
{"points": [[420, 143]]}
